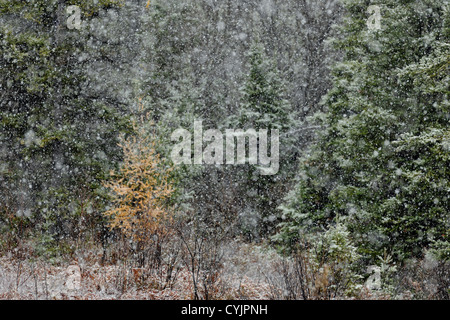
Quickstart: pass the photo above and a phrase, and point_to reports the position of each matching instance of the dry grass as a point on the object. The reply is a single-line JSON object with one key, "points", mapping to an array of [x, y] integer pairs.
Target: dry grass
{"points": [[25, 279]]}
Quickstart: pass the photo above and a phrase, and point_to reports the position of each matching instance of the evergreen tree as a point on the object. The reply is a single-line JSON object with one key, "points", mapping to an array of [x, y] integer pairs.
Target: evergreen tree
{"points": [[202, 46], [381, 161], [58, 130], [263, 103], [264, 107], [167, 44]]}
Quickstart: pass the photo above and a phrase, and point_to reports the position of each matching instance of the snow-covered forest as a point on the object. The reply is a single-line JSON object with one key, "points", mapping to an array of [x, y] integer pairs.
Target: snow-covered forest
{"points": [[224, 149]]}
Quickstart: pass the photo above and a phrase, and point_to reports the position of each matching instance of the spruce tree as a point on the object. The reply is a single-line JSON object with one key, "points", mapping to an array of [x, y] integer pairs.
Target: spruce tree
{"points": [[264, 107], [381, 162], [58, 132]]}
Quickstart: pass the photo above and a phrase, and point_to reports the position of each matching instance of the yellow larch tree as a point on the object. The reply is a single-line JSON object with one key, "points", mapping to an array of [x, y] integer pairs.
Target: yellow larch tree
{"points": [[140, 190]]}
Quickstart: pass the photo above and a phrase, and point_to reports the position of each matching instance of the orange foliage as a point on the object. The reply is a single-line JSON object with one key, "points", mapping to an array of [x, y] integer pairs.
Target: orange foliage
{"points": [[140, 190]]}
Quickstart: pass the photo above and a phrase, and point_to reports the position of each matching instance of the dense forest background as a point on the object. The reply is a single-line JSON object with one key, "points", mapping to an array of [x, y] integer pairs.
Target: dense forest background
{"points": [[358, 209]]}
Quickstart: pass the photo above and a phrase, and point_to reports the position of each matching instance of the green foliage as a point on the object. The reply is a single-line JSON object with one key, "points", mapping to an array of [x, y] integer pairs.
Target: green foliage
{"points": [[263, 103], [12, 230], [323, 266], [334, 249], [58, 135], [381, 163], [336, 246], [441, 250], [264, 107]]}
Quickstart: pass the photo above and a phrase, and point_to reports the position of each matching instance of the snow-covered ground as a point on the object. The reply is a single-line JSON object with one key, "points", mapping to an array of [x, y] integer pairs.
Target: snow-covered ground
{"points": [[243, 277]]}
